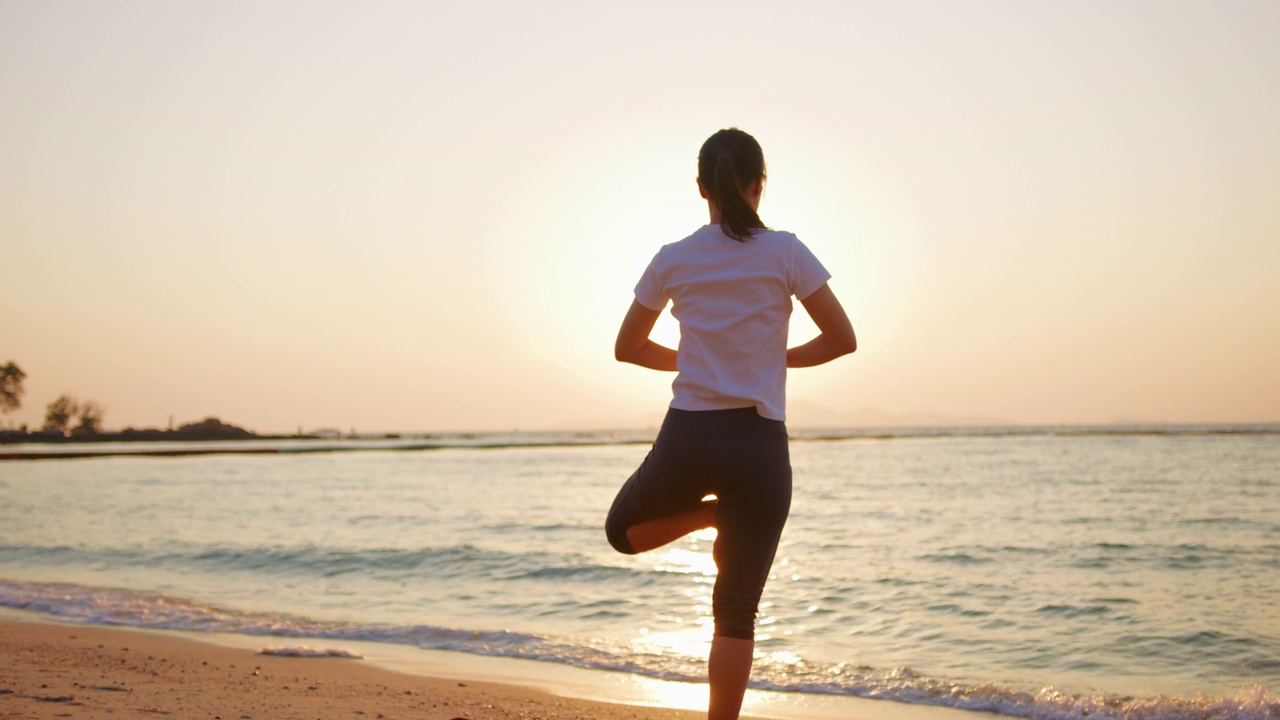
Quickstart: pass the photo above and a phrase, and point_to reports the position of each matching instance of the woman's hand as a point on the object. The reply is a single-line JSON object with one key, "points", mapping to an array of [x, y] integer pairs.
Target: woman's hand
{"points": [[836, 336], [633, 344]]}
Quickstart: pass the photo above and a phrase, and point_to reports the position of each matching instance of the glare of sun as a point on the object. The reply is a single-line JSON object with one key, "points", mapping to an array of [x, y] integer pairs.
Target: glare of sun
{"points": [[694, 642], [686, 561], [666, 331], [692, 555], [678, 695]]}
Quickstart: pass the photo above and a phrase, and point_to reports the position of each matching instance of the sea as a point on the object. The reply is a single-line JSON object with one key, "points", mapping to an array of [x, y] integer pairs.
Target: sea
{"points": [[1035, 572]]}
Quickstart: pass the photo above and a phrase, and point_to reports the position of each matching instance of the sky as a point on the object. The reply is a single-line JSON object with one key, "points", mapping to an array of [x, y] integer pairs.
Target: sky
{"points": [[430, 216]]}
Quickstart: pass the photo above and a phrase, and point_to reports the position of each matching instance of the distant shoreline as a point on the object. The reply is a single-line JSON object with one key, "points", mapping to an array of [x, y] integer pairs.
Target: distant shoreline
{"points": [[11, 437], [189, 441], [209, 429], [281, 445]]}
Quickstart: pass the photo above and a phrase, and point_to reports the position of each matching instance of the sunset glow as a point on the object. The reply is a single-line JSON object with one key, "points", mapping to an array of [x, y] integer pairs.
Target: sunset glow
{"points": [[404, 216]]}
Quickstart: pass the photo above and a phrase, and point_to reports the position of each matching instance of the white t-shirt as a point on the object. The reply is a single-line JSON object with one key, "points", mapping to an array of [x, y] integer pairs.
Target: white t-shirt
{"points": [[733, 302]]}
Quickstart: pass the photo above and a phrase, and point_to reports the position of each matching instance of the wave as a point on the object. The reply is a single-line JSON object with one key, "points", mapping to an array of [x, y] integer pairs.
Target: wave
{"points": [[109, 606], [319, 561]]}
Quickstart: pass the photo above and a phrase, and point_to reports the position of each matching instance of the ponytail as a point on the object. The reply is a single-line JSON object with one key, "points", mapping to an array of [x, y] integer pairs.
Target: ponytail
{"points": [[729, 162]]}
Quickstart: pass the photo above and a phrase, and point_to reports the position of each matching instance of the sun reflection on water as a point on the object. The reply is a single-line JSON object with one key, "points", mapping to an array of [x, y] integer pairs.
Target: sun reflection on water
{"points": [[687, 631], [676, 695], [691, 556], [692, 642]]}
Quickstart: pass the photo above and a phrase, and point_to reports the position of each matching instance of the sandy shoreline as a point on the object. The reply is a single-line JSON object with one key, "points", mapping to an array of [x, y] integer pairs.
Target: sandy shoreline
{"points": [[59, 670], [72, 671]]}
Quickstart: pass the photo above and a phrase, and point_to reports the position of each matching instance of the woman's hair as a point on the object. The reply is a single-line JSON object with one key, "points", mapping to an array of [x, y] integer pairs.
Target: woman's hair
{"points": [[729, 162]]}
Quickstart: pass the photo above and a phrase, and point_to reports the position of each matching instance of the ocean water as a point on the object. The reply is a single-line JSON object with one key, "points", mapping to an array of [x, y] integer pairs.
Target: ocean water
{"points": [[1041, 573]]}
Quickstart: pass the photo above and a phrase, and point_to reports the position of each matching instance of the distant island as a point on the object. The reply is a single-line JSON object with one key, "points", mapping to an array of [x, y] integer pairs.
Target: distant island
{"points": [[208, 429]]}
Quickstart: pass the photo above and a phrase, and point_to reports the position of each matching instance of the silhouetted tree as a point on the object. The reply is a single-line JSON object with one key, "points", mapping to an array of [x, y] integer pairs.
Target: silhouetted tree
{"points": [[11, 390], [213, 428], [90, 414], [59, 413]]}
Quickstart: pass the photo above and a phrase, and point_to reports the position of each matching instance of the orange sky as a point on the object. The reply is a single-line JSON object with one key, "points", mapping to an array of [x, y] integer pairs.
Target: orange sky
{"points": [[430, 216]]}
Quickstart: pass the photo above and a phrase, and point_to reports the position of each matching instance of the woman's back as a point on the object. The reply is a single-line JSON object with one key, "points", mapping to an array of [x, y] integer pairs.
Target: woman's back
{"points": [[733, 301]]}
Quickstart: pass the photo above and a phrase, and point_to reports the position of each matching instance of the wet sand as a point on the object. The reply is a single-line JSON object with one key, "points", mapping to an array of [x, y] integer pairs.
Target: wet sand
{"points": [[70, 671], [57, 670]]}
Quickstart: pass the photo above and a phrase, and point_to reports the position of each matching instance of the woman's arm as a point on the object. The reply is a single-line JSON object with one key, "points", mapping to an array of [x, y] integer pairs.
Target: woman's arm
{"points": [[835, 337], [633, 344]]}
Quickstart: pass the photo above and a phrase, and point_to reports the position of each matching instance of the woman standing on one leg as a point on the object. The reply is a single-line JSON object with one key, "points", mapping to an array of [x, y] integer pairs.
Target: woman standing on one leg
{"points": [[730, 284]]}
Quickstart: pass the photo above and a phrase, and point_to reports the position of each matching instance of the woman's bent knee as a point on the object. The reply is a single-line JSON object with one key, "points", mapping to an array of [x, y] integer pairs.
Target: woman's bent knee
{"points": [[617, 534]]}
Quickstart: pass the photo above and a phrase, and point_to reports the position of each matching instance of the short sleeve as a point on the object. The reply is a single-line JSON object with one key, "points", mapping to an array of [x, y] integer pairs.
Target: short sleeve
{"points": [[649, 291], [807, 275]]}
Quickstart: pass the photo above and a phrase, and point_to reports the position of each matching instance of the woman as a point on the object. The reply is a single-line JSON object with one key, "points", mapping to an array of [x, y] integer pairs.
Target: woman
{"points": [[730, 284]]}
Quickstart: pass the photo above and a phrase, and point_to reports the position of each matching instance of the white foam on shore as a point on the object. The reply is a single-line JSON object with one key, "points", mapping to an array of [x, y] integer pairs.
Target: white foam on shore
{"points": [[1251, 703], [587, 684], [308, 652], [591, 673], [615, 687]]}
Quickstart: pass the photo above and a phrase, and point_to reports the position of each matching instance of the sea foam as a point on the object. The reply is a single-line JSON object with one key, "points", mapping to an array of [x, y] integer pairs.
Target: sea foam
{"points": [[111, 606]]}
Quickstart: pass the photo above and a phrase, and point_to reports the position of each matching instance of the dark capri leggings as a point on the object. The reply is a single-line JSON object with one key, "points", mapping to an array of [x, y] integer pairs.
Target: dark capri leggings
{"points": [[743, 460]]}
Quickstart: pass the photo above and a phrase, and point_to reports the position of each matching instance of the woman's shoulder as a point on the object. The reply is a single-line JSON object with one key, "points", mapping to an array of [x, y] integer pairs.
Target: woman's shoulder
{"points": [[781, 242], [711, 238], [776, 235]]}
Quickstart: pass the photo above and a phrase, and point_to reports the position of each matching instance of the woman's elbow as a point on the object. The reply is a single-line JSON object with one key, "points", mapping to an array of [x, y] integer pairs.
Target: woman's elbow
{"points": [[846, 345], [622, 352]]}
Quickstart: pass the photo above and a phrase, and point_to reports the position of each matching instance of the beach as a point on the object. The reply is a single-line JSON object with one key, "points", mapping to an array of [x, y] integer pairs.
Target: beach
{"points": [[59, 671]]}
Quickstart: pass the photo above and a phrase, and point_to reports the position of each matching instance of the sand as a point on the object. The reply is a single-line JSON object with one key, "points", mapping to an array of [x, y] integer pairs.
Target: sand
{"points": [[58, 670], [71, 671]]}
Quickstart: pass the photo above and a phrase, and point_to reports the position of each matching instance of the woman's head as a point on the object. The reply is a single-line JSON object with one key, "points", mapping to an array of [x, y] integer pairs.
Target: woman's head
{"points": [[729, 166]]}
